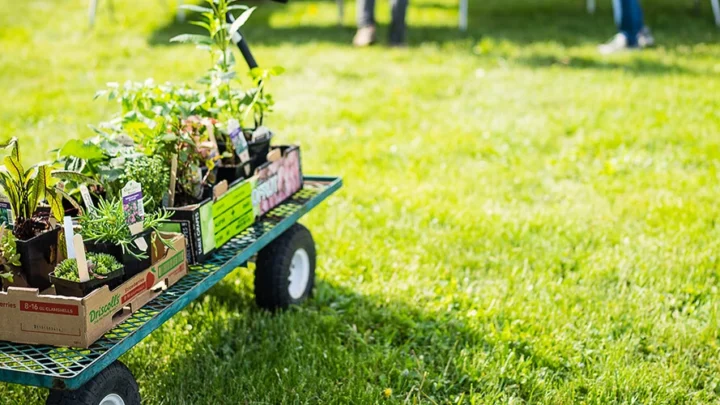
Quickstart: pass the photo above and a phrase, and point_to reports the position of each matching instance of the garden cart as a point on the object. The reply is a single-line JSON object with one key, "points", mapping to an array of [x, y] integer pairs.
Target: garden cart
{"points": [[284, 256]]}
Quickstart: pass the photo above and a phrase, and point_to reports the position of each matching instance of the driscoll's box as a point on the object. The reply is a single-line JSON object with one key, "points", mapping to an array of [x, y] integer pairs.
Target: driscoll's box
{"points": [[28, 316]]}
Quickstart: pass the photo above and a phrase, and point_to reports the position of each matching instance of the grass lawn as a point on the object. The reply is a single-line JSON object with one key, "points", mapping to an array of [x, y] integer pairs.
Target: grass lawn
{"points": [[523, 221]]}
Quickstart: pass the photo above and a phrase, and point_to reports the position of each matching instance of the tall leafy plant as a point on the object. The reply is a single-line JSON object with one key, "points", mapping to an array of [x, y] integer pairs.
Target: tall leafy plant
{"points": [[218, 41], [25, 189]]}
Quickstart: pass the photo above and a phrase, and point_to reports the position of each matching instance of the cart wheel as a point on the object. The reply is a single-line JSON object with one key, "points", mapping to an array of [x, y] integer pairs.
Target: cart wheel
{"points": [[113, 386], [285, 270]]}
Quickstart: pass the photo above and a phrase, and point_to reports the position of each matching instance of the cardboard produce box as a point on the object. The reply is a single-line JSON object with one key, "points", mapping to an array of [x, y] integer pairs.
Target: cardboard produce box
{"points": [[28, 316], [278, 179], [214, 221]]}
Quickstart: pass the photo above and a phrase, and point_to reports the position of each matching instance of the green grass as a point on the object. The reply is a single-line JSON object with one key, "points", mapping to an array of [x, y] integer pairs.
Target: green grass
{"points": [[523, 221]]}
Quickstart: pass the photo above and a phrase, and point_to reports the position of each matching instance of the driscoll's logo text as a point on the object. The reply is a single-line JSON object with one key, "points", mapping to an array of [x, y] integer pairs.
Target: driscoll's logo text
{"points": [[105, 310]]}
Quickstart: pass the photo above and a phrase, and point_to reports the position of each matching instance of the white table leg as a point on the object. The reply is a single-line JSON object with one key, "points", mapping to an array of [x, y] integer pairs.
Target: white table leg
{"points": [[463, 15], [92, 11], [716, 11]]}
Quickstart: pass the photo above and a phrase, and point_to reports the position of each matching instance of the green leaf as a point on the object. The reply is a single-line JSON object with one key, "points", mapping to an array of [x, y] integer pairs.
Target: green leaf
{"points": [[198, 9], [15, 169], [38, 187], [55, 201], [69, 198], [192, 39], [76, 177], [201, 24], [82, 150], [11, 190], [237, 7], [241, 20]]}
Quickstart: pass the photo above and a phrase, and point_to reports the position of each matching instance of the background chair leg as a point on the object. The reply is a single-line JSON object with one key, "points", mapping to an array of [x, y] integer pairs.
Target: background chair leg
{"points": [[591, 6], [463, 15], [341, 11], [180, 16]]}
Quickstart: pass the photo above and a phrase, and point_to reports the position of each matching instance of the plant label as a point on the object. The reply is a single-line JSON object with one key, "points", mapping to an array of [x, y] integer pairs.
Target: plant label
{"points": [[69, 239], [141, 244], [6, 214], [132, 197], [85, 193], [83, 272], [238, 140], [173, 180]]}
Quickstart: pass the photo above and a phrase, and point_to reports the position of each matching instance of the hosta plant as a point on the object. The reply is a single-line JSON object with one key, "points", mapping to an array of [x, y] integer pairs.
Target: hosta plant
{"points": [[25, 190]]}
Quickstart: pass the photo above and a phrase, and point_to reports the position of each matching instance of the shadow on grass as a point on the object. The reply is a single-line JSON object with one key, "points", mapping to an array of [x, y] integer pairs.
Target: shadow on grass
{"points": [[338, 341], [635, 66]]}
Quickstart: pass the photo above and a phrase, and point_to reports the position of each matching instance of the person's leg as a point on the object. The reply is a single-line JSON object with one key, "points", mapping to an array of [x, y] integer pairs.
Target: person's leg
{"points": [[366, 23], [365, 13], [631, 21], [632, 32], [397, 26]]}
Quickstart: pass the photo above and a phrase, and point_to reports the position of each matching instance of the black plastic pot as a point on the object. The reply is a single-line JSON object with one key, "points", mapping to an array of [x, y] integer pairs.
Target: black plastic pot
{"points": [[231, 172], [38, 257], [258, 153], [69, 288], [133, 265]]}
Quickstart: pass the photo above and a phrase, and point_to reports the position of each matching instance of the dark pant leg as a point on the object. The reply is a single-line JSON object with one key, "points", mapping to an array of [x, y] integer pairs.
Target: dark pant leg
{"points": [[365, 13], [631, 20], [397, 26]]}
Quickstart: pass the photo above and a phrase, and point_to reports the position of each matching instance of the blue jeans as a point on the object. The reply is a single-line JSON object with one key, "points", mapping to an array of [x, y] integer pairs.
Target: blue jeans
{"points": [[366, 17], [631, 20]]}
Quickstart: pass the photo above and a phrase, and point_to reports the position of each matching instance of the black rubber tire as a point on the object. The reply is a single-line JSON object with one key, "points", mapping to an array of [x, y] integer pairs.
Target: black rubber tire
{"points": [[272, 269], [115, 379]]}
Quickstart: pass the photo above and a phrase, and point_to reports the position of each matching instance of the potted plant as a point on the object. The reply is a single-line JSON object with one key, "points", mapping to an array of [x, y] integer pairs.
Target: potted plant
{"points": [[104, 269], [105, 230], [9, 258], [107, 162], [225, 99], [36, 231]]}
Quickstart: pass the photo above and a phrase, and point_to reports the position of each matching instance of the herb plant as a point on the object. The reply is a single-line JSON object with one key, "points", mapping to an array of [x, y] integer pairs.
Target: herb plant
{"points": [[9, 256], [99, 265], [154, 176], [108, 224]]}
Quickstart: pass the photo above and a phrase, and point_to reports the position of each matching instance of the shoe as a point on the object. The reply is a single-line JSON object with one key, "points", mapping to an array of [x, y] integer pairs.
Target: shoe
{"points": [[365, 36], [645, 38], [618, 43]]}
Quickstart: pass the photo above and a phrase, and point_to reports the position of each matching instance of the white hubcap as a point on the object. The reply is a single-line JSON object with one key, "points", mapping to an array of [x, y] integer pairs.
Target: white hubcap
{"points": [[299, 273], [112, 399]]}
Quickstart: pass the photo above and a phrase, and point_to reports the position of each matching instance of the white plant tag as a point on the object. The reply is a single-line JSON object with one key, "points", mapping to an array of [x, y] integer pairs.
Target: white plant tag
{"points": [[69, 237], [132, 198], [89, 204], [238, 140], [141, 244], [6, 214], [83, 272]]}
